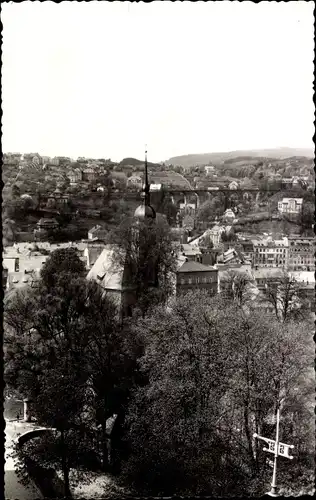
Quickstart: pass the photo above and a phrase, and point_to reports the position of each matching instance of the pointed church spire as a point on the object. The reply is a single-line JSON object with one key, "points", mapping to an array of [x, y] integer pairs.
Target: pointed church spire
{"points": [[146, 186], [145, 210]]}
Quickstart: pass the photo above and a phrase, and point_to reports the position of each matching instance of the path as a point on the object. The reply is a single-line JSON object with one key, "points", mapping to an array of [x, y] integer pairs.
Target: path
{"points": [[13, 488]]}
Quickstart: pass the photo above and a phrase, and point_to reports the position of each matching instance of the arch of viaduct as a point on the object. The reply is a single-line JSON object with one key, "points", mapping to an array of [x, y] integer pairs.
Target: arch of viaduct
{"points": [[231, 196]]}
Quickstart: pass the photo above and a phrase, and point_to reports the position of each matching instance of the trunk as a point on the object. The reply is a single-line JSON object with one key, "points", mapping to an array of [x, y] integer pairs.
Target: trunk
{"points": [[65, 468], [249, 437], [105, 461]]}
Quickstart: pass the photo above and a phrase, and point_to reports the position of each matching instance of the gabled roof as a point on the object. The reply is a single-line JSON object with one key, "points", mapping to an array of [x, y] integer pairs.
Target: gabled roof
{"points": [[106, 271], [192, 267]]}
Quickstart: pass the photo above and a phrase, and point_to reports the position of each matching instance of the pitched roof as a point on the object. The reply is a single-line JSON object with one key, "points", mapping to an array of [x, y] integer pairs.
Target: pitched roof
{"points": [[106, 271], [192, 267], [286, 200]]}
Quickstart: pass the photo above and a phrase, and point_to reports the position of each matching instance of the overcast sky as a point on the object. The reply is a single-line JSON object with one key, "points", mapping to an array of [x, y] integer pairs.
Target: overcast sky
{"points": [[102, 79]]}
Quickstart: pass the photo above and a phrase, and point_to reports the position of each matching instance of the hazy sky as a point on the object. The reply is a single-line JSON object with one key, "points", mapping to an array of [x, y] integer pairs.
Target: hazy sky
{"points": [[102, 79]]}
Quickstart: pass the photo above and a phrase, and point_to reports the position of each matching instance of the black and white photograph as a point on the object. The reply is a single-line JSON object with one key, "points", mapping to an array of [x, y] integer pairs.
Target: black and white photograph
{"points": [[158, 249]]}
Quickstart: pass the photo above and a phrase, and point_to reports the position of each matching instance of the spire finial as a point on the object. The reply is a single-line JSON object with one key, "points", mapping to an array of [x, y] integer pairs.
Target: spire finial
{"points": [[146, 187]]}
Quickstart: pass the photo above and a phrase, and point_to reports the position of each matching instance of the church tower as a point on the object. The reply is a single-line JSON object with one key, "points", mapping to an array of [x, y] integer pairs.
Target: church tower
{"points": [[145, 210], [145, 216]]}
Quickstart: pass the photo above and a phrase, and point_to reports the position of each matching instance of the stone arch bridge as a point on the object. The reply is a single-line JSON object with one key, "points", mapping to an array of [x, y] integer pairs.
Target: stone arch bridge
{"points": [[231, 197]]}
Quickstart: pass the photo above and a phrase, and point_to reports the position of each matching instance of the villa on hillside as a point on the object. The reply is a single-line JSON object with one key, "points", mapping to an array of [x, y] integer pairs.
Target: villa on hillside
{"points": [[290, 205]]}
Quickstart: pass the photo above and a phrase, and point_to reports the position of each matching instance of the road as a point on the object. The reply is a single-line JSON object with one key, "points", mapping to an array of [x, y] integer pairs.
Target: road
{"points": [[13, 488]]}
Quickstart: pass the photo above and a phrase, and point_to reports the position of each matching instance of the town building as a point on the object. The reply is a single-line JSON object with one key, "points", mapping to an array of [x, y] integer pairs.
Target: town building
{"points": [[266, 277], [192, 253], [233, 185], [213, 234], [134, 181], [196, 276], [54, 161], [229, 215], [301, 253], [97, 232], [246, 247], [209, 169], [114, 279], [230, 256], [290, 205], [270, 253], [89, 174], [74, 176], [92, 251], [45, 225]]}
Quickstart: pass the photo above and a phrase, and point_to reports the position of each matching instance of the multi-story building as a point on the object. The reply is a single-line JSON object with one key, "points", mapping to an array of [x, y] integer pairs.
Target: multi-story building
{"points": [[74, 176], [290, 205], [209, 169], [246, 247], [270, 253], [193, 275], [89, 174], [301, 253], [192, 253]]}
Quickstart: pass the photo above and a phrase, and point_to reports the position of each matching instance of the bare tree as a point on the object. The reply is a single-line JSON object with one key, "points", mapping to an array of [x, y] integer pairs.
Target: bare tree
{"points": [[237, 286], [286, 297]]}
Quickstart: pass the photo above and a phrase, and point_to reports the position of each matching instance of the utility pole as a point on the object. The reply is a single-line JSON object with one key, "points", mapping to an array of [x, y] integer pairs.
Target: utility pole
{"points": [[278, 449]]}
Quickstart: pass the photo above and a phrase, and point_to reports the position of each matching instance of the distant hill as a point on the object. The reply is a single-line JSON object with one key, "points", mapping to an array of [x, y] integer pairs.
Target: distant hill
{"points": [[205, 158], [136, 163]]}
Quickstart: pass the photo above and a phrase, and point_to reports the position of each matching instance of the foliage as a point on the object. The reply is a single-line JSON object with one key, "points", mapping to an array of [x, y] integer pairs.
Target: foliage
{"points": [[307, 216], [214, 375], [60, 261], [66, 330]]}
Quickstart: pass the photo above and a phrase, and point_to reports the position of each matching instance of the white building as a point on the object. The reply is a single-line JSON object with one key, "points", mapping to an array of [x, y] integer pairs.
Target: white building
{"points": [[271, 253], [229, 215], [209, 169], [290, 205]]}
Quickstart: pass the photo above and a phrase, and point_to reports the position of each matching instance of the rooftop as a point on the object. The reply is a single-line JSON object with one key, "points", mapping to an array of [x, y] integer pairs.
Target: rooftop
{"points": [[106, 271], [268, 273], [287, 200], [192, 267]]}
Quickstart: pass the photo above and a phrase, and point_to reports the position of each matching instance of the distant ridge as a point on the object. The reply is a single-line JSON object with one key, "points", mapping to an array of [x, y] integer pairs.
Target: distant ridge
{"points": [[205, 158], [135, 163]]}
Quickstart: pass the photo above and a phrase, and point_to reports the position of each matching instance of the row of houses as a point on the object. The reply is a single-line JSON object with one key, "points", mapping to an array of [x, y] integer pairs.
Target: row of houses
{"points": [[195, 270]]}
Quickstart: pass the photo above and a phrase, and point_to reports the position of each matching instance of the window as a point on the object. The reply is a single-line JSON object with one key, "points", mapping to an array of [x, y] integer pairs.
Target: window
{"points": [[190, 281], [182, 281], [197, 279]]}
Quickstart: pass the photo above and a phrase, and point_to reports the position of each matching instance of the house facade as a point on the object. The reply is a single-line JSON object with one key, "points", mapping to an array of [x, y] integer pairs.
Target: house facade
{"points": [[75, 176], [301, 253], [196, 276], [209, 169], [270, 253], [290, 205], [97, 232], [89, 174]]}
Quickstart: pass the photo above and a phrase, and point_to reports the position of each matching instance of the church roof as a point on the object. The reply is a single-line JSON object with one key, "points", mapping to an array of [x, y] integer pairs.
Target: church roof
{"points": [[106, 271]]}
